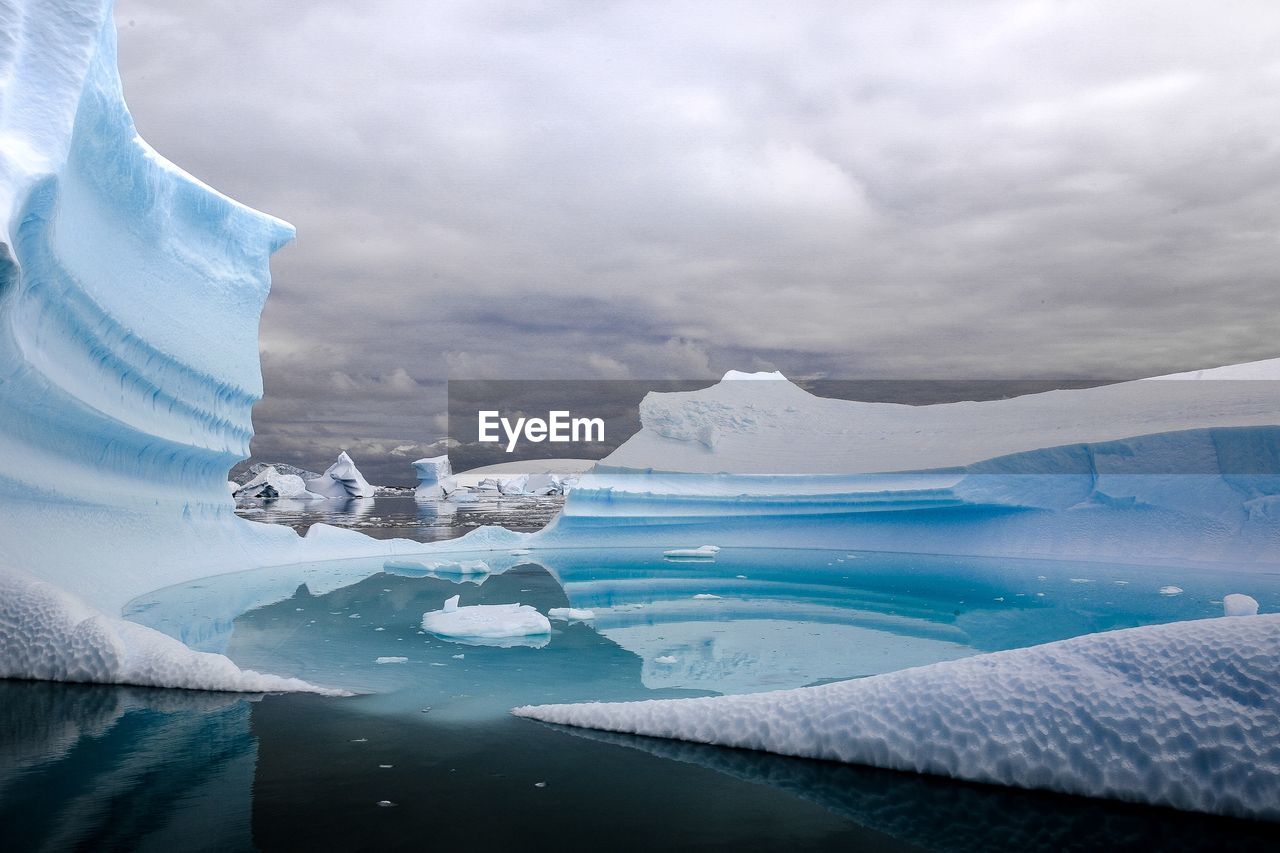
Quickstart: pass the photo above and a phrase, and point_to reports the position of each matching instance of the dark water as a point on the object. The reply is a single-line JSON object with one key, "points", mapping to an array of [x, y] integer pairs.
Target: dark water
{"points": [[88, 767]]}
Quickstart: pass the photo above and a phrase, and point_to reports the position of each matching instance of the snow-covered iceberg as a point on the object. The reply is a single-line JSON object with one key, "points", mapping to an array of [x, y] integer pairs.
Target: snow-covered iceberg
{"points": [[488, 624], [1147, 471], [1181, 715], [342, 479]]}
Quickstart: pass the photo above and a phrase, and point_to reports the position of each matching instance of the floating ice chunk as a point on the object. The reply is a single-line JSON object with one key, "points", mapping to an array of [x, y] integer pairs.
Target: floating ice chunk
{"points": [[391, 659], [401, 565], [432, 472], [1181, 714], [704, 596], [665, 660], [519, 552], [48, 634], [570, 614], [342, 480], [1238, 604], [1171, 590], [485, 621], [702, 552]]}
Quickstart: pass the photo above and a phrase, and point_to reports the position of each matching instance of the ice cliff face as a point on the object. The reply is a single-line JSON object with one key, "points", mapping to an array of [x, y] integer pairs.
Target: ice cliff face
{"points": [[1148, 471], [129, 302]]}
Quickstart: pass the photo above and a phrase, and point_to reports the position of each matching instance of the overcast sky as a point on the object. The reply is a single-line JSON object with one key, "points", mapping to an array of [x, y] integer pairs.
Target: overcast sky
{"points": [[668, 190]]}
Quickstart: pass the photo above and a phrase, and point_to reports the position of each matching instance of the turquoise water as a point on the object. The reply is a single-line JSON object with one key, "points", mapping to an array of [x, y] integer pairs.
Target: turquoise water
{"points": [[94, 766]]}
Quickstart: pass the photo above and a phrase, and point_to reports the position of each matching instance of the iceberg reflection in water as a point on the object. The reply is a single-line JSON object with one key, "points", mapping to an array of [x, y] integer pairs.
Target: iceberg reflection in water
{"points": [[433, 733]]}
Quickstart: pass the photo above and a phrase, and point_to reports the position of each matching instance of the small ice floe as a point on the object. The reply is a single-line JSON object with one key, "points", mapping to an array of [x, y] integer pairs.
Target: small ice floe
{"points": [[1239, 604], [411, 567], [665, 660], [392, 659], [1171, 590], [1082, 580], [485, 621], [459, 657], [354, 616], [741, 577], [379, 629], [360, 740], [702, 552], [704, 596], [385, 804], [519, 552], [570, 614], [539, 784], [386, 766]]}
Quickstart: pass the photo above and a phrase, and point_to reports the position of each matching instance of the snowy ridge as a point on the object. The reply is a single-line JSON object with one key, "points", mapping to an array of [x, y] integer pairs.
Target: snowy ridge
{"points": [[47, 634], [1182, 715]]}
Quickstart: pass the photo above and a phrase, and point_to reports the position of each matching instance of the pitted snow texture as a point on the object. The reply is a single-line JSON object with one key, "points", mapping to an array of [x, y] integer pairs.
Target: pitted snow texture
{"points": [[47, 634], [1184, 715]]}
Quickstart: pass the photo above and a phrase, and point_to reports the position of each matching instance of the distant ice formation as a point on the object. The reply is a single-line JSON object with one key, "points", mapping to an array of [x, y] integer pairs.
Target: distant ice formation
{"points": [[433, 473], [270, 483], [1181, 715], [1180, 471], [342, 479]]}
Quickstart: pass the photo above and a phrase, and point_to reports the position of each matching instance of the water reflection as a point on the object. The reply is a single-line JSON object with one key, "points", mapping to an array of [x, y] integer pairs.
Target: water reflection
{"points": [[959, 817], [98, 767], [392, 516]]}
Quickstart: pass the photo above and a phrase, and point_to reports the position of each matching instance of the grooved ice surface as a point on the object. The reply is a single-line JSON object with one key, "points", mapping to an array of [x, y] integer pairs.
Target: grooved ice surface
{"points": [[1184, 715], [47, 634]]}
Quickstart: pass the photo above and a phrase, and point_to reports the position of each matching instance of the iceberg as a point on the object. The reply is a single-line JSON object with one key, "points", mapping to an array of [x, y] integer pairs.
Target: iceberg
{"points": [[1182, 470], [270, 483], [342, 479], [433, 473], [481, 622], [1181, 715], [130, 295]]}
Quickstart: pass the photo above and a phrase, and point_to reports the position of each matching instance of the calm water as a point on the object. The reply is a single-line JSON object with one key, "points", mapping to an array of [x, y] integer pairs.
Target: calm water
{"points": [[96, 767]]}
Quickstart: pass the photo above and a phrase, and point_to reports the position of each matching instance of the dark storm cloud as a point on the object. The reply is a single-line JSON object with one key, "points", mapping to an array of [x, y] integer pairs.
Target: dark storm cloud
{"points": [[667, 190]]}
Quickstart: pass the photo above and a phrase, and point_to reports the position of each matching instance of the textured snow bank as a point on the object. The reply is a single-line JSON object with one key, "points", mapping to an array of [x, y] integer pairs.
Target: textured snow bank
{"points": [[48, 634], [1182, 715], [485, 621]]}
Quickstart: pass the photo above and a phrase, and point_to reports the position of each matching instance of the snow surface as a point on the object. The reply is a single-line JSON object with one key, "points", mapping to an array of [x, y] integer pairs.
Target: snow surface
{"points": [[485, 621], [48, 634], [1181, 715]]}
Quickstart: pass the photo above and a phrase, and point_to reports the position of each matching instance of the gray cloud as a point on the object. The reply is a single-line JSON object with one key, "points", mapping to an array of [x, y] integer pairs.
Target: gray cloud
{"points": [[654, 190]]}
